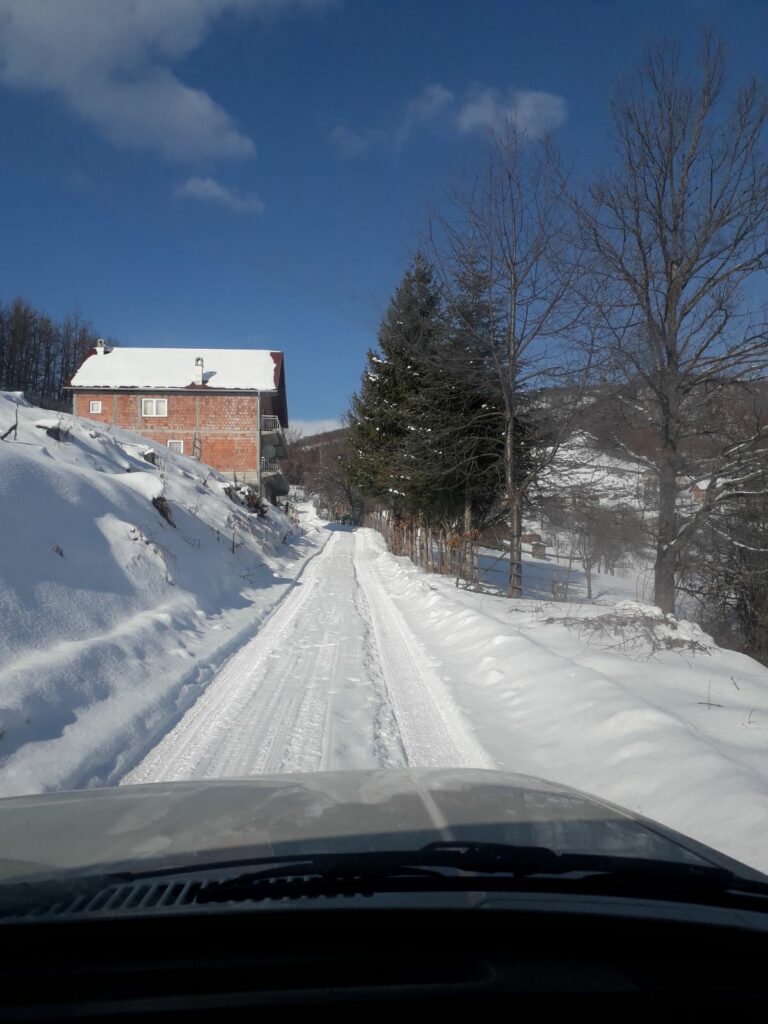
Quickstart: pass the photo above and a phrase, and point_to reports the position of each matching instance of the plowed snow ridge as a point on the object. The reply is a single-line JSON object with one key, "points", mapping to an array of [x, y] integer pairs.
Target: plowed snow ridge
{"points": [[333, 679]]}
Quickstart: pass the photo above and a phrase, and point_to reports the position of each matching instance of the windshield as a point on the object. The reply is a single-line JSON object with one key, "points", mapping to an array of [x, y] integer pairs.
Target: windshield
{"points": [[383, 431]]}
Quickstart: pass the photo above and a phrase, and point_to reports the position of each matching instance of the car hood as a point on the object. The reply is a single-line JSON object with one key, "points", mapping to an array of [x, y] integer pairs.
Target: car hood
{"points": [[202, 822]]}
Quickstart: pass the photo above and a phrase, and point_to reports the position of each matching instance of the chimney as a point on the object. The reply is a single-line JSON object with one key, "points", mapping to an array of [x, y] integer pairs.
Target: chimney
{"points": [[199, 370], [100, 347]]}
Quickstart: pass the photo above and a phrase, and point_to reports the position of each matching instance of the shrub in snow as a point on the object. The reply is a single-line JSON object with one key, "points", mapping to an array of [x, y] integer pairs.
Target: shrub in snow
{"points": [[638, 630], [248, 497], [162, 506], [54, 429]]}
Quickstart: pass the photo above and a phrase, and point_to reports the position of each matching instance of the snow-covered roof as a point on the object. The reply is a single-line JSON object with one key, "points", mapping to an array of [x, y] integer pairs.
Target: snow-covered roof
{"points": [[238, 369]]}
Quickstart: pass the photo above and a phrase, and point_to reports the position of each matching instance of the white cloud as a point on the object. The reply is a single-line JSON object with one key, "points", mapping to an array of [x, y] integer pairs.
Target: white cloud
{"points": [[349, 144], [309, 427], [106, 59], [211, 191], [534, 113], [429, 104]]}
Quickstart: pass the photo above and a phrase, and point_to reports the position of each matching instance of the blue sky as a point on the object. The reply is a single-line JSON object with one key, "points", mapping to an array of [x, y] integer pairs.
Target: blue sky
{"points": [[255, 172]]}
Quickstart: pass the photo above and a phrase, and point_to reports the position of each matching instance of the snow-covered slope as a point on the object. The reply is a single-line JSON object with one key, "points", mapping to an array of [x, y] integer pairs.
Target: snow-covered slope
{"points": [[112, 618], [614, 481]]}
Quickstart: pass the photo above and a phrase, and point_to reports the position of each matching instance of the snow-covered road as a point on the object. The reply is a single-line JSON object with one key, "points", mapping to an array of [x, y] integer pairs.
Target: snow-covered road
{"points": [[334, 679]]}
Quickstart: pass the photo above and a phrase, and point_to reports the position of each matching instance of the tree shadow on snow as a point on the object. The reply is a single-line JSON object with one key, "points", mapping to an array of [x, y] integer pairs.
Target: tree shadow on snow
{"points": [[538, 577]]}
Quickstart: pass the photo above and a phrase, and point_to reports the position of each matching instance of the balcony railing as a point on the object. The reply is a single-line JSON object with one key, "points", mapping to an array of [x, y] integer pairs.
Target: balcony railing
{"points": [[269, 423], [270, 466], [274, 438]]}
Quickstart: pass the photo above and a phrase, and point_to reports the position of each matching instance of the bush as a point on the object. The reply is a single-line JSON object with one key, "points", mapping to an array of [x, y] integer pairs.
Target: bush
{"points": [[163, 507], [248, 497]]}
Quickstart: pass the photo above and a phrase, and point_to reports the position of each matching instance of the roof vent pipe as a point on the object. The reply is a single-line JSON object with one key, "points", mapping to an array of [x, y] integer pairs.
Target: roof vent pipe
{"points": [[199, 370]]}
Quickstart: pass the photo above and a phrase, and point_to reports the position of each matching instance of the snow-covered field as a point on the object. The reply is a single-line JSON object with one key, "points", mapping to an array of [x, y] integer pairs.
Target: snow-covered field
{"points": [[135, 651], [113, 621], [634, 583]]}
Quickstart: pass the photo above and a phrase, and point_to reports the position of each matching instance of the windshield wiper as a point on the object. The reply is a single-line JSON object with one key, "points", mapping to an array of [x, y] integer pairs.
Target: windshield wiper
{"points": [[466, 867]]}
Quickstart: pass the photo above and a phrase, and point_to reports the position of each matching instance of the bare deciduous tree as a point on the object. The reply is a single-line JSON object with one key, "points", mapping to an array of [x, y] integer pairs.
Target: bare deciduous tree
{"points": [[38, 356], [508, 233], [676, 231]]}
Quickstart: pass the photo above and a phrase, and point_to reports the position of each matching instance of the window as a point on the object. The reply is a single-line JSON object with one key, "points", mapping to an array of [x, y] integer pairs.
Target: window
{"points": [[95, 407], [176, 446], [154, 407]]}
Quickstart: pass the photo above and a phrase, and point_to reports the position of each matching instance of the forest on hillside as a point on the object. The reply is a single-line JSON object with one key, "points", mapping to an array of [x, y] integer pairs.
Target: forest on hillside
{"points": [[39, 355]]}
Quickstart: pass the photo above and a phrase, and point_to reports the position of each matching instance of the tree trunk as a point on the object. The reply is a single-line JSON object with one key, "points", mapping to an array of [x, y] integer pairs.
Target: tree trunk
{"points": [[469, 554], [666, 555], [514, 501], [664, 579]]}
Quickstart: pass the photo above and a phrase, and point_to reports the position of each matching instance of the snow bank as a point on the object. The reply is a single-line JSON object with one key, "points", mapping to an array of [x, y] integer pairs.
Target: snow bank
{"points": [[113, 618], [618, 701]]}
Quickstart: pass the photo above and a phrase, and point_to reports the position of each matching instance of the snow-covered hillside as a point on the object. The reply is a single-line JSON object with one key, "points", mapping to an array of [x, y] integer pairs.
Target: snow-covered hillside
{"points": [[614, 481], [112, 616]]}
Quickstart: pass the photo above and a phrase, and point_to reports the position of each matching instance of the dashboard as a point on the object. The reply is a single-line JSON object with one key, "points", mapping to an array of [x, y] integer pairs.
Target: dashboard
{"points": [[225, 965]]}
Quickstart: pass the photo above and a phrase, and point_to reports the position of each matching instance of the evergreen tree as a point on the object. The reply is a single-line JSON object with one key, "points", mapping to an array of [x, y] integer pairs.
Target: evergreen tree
{"points": [[380, 417], [456, 427], [427, 435]]}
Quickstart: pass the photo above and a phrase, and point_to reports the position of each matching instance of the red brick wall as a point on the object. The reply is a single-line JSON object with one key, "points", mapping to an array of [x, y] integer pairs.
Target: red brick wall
{"points": [[227, 425]]}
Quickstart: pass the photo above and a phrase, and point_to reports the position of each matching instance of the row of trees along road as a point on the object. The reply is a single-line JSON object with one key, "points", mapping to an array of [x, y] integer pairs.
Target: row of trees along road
{"points": [[642, 285]]}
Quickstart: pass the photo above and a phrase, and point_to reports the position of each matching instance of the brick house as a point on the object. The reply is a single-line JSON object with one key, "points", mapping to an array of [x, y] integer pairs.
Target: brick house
{"points": [[226, 407]]}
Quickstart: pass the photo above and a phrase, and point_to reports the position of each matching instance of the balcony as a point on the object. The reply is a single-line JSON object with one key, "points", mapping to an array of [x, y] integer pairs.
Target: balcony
{"points": [[271, 466], [273, 436]]}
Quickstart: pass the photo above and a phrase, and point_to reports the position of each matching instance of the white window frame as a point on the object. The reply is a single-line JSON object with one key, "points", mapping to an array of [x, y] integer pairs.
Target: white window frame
{"points": [[153, 404], [180, 449], [94, 405]]}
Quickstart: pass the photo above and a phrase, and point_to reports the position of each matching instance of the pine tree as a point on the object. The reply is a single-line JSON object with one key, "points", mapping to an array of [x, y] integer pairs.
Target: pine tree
{"points": [[427, 437], [380, 415]]}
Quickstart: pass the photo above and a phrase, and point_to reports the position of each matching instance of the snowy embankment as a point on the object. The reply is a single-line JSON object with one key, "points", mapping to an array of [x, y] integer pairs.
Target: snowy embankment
{"points": [[616, 701], [116, 611]]}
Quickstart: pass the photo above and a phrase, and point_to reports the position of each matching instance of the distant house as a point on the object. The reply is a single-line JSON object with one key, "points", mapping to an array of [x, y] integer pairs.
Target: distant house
{"points": [[226, 407]]}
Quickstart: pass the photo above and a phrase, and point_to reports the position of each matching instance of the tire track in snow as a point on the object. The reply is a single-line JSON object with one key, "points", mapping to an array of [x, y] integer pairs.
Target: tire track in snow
{"points": [[390, 752], [302, 695], [208, 741], [433, 731], [333, 679]]}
